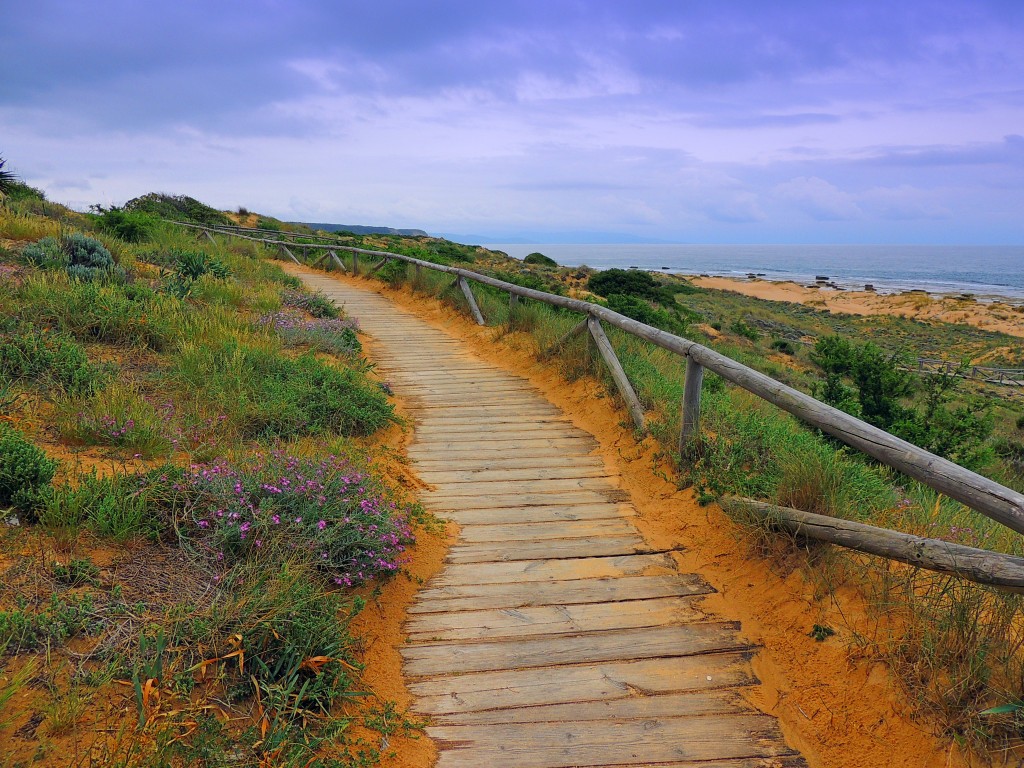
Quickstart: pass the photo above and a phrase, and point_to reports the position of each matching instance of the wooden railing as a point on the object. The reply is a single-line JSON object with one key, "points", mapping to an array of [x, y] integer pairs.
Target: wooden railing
{"points": [[1006, 377], [1002, 504]]}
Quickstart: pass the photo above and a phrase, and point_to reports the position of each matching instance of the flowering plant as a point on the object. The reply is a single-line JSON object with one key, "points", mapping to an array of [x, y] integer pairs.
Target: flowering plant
{"points": [[329, 510]]}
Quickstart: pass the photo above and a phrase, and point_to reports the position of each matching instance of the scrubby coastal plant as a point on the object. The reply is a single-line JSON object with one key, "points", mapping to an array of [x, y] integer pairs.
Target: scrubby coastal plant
{"points": [[7, 178], [882, 391], [25, 471], [328, 511], [130, 226], [28, 352], [81, 257], [540, 259]]}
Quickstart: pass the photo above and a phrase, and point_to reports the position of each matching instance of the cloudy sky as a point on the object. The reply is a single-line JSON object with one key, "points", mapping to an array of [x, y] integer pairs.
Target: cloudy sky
{"points": [[683, 120]]}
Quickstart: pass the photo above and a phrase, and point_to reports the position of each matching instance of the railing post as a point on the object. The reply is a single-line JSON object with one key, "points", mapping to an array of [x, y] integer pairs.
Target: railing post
{"points": [[339, 262], [689, 434], [604, 346], [468, 293], [572, 334], [289, 253], [513, 300], [209, 236], [355, 263]]}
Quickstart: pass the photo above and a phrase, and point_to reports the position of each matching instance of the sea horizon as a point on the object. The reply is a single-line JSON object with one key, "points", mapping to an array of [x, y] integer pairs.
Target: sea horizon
{"points": [[988, 272]]}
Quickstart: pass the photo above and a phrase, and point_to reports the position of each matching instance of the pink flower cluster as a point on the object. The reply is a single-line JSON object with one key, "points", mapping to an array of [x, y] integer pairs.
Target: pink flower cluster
{"points": [[329, 510]]}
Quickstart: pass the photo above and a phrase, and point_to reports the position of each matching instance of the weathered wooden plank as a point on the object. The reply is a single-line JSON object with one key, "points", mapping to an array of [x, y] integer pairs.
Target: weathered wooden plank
{"points": [[456, 397], [458, 476], [542, 427], [468, 518], [579, 442], [565, 745], [512, 487], [454, 418], [542, 686], [550, 460], [614, 645], [534, 532], [496, 552], [553, 570], [518, 500], [551, 620], [491, 408], [437, 404], [717, 702], [475, 597]]}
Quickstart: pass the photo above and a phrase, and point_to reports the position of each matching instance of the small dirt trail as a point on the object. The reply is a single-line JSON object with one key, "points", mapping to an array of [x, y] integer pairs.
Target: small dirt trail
{"points": [[554, 636]]}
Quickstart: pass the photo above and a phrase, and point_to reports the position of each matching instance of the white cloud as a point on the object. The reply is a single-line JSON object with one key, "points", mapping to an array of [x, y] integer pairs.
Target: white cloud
{"points": [[818, 199]]}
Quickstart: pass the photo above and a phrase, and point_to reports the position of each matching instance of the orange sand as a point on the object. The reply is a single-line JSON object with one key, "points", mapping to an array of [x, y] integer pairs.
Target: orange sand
{"points": [[994, 316], [838, 710]]}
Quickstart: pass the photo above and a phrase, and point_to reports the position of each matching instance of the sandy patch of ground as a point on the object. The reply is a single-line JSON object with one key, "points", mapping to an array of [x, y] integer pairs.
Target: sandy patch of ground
{"points": [[993, 316]]}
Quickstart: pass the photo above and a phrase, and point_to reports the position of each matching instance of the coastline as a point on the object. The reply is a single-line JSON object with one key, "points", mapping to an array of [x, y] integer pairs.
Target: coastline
{"points": [[990, 312]]}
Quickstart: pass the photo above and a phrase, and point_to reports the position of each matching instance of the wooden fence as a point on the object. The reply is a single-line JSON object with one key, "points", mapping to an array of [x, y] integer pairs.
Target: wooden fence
{"points": [[1006, 377], [1002, 504]]}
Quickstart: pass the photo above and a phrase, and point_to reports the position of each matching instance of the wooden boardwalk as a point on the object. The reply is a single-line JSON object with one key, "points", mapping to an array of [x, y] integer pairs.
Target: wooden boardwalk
{"points": [[554, 636]]}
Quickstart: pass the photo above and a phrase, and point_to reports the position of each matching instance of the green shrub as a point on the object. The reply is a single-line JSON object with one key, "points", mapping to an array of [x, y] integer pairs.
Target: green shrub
{"points": [[176, 208], [89, 259], [540, 259], [529, 280], [941, 421], [25, 471], [783, 346], [741, 328], [54, 359], [630, 282], [130, 226], [642, 311], [46, 253], [83, 258]]}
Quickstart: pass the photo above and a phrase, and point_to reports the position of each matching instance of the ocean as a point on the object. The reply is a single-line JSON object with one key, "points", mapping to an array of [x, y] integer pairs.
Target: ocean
{"points": [[986, 271]]}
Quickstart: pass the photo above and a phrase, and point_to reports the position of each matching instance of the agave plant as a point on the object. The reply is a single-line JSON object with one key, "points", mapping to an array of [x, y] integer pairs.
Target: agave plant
{"points": [[7, 179]]}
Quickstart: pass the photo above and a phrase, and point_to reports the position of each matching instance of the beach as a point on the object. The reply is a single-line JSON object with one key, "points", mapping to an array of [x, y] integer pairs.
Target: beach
{"points": [[992, 314]]}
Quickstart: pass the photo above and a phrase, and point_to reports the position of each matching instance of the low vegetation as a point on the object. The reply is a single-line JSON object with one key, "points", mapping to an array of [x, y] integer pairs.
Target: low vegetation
{"points": [[189, 519]]}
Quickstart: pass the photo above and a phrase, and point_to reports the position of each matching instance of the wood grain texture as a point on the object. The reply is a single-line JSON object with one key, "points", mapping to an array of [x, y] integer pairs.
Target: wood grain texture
{"points": [[554, 636], [514, 595]]}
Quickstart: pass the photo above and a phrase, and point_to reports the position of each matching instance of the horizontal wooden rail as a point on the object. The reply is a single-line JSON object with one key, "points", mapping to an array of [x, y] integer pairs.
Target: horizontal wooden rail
{"points": [[979, 565], [988, 497]]}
